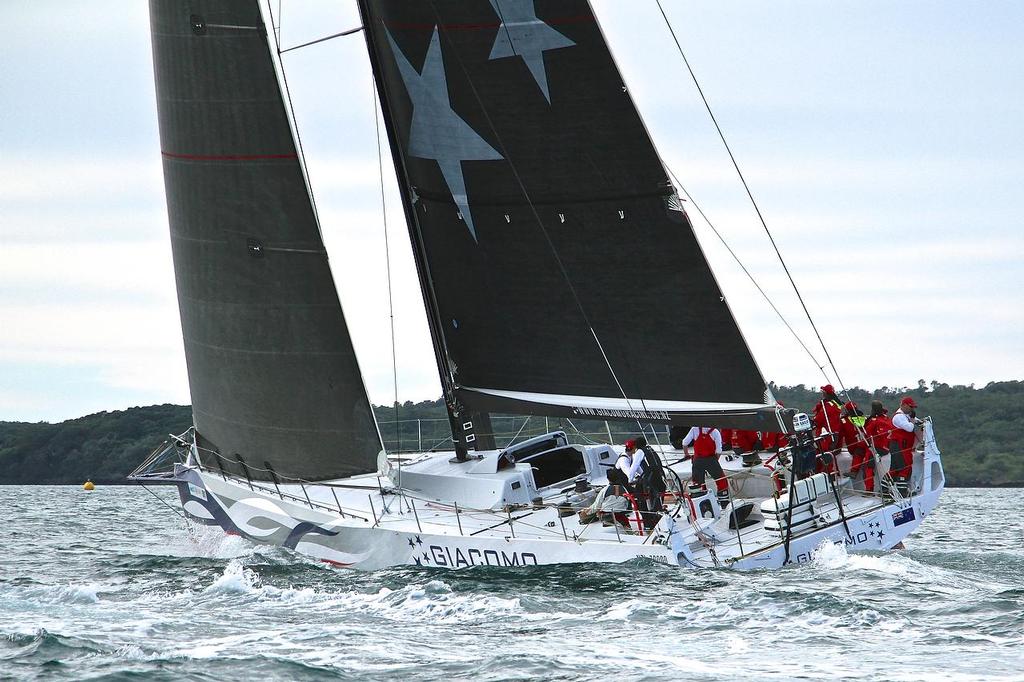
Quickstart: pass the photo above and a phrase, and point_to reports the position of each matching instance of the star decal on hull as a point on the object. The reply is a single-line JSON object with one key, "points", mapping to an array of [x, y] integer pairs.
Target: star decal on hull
{"points": [[523, 35], [436, 131]]}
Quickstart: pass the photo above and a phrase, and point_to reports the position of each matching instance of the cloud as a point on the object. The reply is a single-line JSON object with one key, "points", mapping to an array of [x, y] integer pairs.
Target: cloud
{"points": [[891, 191]]}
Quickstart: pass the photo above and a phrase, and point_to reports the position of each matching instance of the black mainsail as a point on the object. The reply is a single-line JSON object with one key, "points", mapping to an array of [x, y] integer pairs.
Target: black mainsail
{"points": [[274, 379], [561, 274]]}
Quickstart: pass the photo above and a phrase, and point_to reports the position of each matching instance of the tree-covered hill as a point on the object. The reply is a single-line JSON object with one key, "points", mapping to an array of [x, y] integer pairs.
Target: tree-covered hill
{"points": [[979, 430], [104, 447]]}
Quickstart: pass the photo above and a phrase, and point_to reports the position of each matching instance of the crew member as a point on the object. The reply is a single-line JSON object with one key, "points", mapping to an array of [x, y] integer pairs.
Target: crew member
{"points": [[707, 446], [878, 427], [650, 478], [614, 498], [827, 426], [901, 443], [852, 427], [744, 440], [726, 436], [630, 461]]}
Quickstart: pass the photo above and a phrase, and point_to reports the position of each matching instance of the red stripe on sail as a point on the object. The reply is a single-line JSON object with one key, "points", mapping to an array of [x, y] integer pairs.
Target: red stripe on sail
{"points": [[228, 157]]}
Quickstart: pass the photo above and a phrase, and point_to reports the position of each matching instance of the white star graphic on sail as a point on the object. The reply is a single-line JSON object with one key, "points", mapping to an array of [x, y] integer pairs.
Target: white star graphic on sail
{"points": [[437, 132], [522, 34]]}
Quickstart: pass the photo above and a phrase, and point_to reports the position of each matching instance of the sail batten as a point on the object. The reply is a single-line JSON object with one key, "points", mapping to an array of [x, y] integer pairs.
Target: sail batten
{"points": [[273, 375]]}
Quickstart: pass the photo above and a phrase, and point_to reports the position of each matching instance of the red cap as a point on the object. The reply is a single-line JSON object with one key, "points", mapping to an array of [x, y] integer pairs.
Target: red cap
{"points": [[908, 401], [827, 388], [850, 406], [630, 444]]}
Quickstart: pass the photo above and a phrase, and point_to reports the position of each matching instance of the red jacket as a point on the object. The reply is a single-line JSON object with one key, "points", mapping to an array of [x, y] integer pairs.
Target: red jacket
{"points": [[744, 441], [726, 438], [904, 439], [826, 416], [774, 439], [879, 428]]}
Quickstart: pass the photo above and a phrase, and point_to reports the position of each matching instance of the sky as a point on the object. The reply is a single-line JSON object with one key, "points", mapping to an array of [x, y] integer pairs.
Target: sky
{"points": [[882, 141]]}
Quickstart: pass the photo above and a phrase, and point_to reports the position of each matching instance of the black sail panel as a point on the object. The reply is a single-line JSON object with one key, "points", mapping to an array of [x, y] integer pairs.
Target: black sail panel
{"points": [[272, 372], [559, 259]]}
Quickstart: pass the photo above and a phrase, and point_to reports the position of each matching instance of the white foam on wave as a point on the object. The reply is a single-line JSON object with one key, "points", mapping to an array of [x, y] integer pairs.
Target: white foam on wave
{"points": [[239, 580], [620, 611], [210, 542], [432, 602], [60, 594], [831, 556], [834, 556], [131, 651], [236, 579], [625, 610], [216, 647], [893, 564], [299, 595]]}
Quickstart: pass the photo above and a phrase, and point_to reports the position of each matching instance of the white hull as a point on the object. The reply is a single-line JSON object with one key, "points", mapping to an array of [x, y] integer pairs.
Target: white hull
{"points": [[366, 523]]}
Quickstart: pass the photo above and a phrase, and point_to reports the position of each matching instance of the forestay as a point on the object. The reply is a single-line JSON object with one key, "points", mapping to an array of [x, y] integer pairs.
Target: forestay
{"points": [[560, 270]]}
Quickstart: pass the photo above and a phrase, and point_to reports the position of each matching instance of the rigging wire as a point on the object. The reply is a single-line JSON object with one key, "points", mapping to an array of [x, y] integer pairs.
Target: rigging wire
{"points": [[294, 122], [750, 195], [164, 502], [295, 125], [387, 268], [747, 272], [513, 439]]}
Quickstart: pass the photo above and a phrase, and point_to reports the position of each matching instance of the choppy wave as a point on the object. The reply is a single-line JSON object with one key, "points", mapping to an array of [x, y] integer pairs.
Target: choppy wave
{"points": [[146, 597]]}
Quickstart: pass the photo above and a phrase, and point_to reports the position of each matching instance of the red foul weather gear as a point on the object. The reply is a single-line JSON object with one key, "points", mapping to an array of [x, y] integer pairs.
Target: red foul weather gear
{"points": [[706, 460], [826, 419], [704, 444], [852, 437], [858, 448], [772, 440], [901, 445], [744, 441], [878, 429]]}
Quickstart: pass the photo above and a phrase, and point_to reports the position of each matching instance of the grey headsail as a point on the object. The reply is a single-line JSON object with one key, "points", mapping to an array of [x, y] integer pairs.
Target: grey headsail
{"points": [[561, 272], [274, 379]]}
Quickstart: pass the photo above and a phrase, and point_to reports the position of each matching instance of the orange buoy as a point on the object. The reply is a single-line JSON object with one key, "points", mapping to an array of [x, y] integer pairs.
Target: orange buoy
{"points": [[88, 485]]}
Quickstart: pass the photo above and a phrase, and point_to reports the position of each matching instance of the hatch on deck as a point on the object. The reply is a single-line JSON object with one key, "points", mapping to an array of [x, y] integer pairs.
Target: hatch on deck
{"points": [[555, 466]]}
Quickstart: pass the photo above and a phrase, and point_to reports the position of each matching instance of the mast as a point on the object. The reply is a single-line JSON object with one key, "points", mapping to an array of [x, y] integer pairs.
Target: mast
{"points": [[460, 420]]}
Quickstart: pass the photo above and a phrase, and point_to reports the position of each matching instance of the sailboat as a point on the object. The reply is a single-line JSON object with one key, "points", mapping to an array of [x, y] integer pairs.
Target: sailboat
{"points": [[527, 178]]}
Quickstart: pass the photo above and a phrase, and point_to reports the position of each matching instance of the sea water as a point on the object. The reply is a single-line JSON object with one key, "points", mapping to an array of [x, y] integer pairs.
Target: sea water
{"points": [[111, 584]]}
